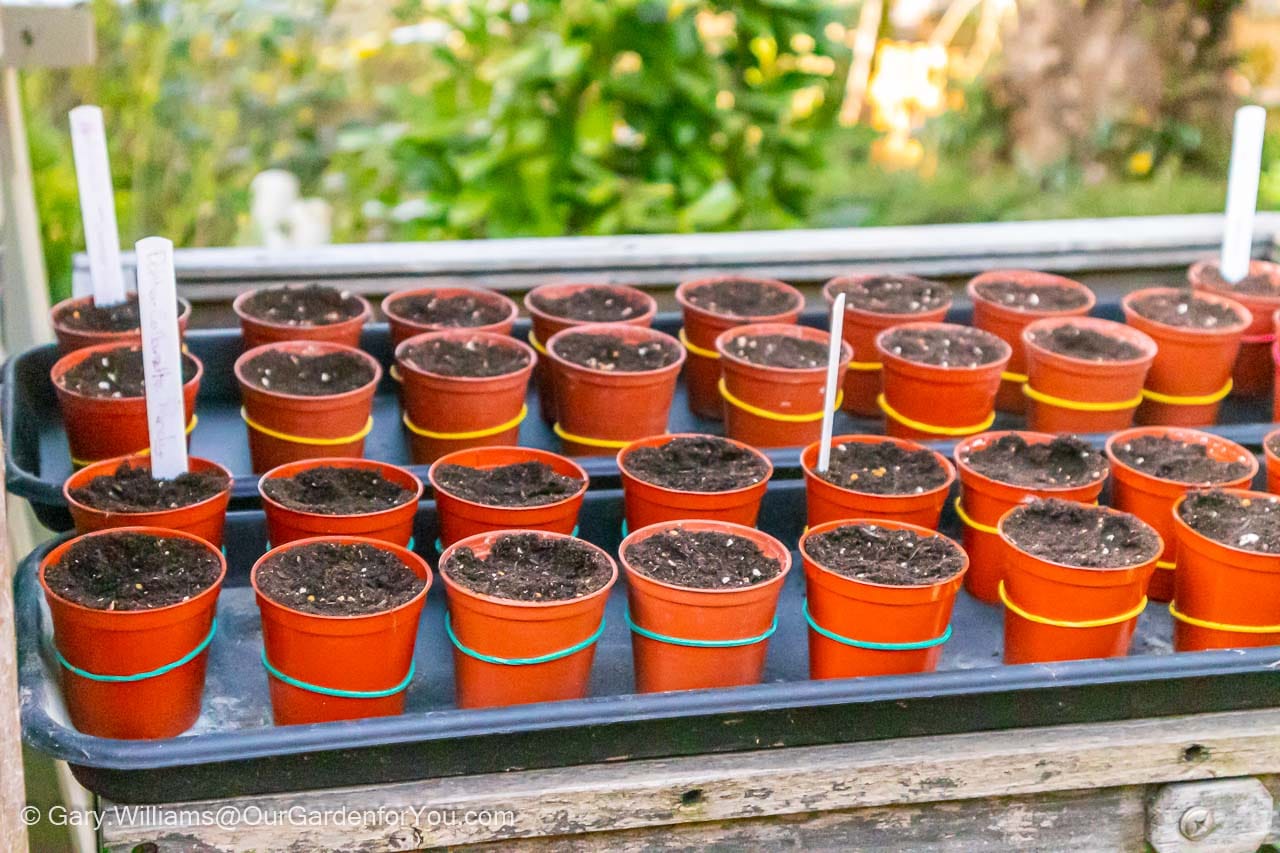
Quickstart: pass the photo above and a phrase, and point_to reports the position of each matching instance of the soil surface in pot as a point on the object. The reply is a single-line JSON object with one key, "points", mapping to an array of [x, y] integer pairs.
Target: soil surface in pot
{"points": [[1088, 344], [308, 375], [328, 490], [613, 353], [779, 351], [885, 555], [894, 294], [1185, 310], [1179, 461], [132, 571], [591, 305], [309, 305], [1257, 284], [1073, 534], [475, 358], [1273, 444], [1061, 463], [516, 485], [338, 579], [125, 317], [742, 297], [115, 373], [530, 567], [1046, 297], [1252, 524], [702, 559], [883, 468], [133, 489], [949, 347], [461, 311], [696, 463]]}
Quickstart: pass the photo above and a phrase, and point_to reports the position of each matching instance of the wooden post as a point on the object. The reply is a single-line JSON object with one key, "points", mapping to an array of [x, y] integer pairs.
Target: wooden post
{"points": [[13, 832]]}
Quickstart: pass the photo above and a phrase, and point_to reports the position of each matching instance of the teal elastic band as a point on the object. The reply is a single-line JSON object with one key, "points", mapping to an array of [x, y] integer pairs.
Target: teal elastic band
{"points": [[408, 547], [547, 658], [141, 676], [333, 691], [701, 644], [867, 644], [440, 545]]}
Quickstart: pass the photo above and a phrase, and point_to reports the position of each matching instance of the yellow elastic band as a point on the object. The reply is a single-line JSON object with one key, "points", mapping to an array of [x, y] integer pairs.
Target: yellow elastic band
{"points": [[1077, 406], [694, 348], [1222, 626], [1010, 376], [775, 416], [930, 428], [394, 373], [146, 451], [459, 436], [865, 366], [1166, 565], [305, 439], [983, 528], [1176, 400], [1059, 623], [589, 442], [536, 344]]}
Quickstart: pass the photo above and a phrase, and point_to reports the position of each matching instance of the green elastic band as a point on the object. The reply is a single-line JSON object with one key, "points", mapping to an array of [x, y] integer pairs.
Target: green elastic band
{"points": [[333, 691], [701, 644], [141, 676], [547, 658], [867, 644], [408, 547], [440, 545]]}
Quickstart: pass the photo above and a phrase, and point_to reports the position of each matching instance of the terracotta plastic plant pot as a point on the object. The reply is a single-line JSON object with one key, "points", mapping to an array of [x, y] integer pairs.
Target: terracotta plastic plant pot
{"points": [[702, 327], [1076, 395], [646, 503], [447, 413], [928, 401], [546, 325], [1252, 376], [205, 518], [1275, 359], [70, 338], [292, 427], [687, 617], [461, 518], [368, 653], [601, 411], [1273, 462], [131, 642], [521, 630], [874, 614], [767, 406], [863, 382], [1007, 323], [110, 427], [983, 501], [1036, 590], [1191, 372], [255, 332], [394, 525], [826, 502], [402, 328]]}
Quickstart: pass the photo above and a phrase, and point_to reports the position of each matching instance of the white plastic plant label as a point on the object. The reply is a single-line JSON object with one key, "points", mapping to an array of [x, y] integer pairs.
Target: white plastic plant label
{"points": [[161, 357], [1242, 192], [97, 206]]}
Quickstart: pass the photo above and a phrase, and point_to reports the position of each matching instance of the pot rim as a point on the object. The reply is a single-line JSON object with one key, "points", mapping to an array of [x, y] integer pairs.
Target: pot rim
{"points": [[1129, 334], [651, 441], [1177, 433], [828, 526], [810, 467], [76, 356], [327, 347], [792, 330], [686, 287], [1244, 315], [535, 454], [62, 307], [470, 333], [1251, 494], [963, 464], [1195, 277], [237, 306], [830, 298], [340, 462], [1267, 452], [1159, 550], [494, 297], [650, 309], [751, 534], [109, 466], [1028, 277], [953, 370], [614, 329], [453, 585]]}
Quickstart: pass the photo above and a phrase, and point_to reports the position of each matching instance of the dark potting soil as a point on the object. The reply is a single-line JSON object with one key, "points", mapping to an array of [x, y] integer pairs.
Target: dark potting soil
{"points": [[779, 351], [883, 555], [696, 463], [884, 468], [338, 579], [460, 311], [309, 305], [1179, 461], [1064, 461], [474, 358], [957, 346], [115, 373], [336, 491], [518, 484], [1032, 297], [531, 567], [742, 297], [591, 305], [1249, 523], [132, 571], [1257, 284], [702, 559], [894, 294], [1073, 534], [611, 352], [124, 317], [1186, 310], [130, 489], [1078, 342], [308, 375]]}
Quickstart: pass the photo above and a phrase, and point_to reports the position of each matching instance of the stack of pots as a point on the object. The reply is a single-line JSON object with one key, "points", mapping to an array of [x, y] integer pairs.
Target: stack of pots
{"points": [[1254, 368]]}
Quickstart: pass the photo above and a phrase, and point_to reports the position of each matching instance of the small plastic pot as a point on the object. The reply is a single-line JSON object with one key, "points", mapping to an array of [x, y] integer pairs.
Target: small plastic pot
{"points": [[293, 427], [1252, 376], [110, 427], [646, 503], [372, 652], [403, 328], [692, 615], [71, 338], [205, 518], [129, 642], [1076, 395], [510, 629], [928, 401], [461, 518], [1192, 369], [767, 406], [1273, 462], [702, 327], [984, 500], [1007, 323], [874, 613], [447, 413], [255, 331], [826, 502], [601, 411], [1275, 359], [394, 525]]}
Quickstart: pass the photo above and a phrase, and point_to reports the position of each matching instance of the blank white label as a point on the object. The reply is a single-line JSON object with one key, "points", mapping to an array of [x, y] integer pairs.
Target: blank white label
{"points": [[97, 205]]}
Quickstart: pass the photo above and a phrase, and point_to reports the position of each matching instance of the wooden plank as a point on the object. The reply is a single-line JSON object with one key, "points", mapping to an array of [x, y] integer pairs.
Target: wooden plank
{"points": [[48, 33], [13, 830]]}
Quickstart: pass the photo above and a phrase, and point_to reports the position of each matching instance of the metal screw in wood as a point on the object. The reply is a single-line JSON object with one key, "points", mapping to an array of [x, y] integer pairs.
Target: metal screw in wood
{"points": [[1196, 823]]}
